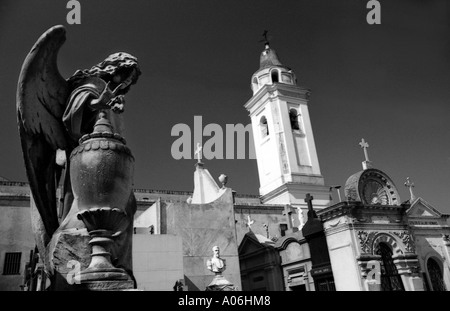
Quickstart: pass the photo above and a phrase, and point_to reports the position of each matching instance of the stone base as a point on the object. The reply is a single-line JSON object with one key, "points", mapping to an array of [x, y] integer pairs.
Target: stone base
{"points": [[98, 274], [220, 283], [118, 285]]}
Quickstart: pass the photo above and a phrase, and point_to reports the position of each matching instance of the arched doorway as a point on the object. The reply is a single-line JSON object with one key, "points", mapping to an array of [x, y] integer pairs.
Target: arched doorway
{"points": [[435, 274], [390, 279]]}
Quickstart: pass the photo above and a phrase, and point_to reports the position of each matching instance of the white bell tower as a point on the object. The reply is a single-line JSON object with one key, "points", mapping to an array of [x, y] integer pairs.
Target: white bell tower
{"points": [[288, 165]]}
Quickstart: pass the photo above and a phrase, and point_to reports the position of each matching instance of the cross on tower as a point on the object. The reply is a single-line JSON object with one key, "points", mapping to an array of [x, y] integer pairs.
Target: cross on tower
{"points": [[266, 39], [410, 185], [198, 152]]}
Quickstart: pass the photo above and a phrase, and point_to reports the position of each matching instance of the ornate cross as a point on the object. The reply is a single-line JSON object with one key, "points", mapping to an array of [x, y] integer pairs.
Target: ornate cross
{"points": [[410, 185], [311, 212], [365, 145], [198, 152]]}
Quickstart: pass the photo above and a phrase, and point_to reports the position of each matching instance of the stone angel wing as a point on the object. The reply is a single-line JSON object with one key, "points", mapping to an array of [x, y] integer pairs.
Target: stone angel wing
{"points": [[41, 98]]}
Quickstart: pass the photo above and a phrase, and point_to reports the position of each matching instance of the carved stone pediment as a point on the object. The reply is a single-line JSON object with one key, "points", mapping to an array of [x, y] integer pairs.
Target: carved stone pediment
{"points": [[421, 208]]}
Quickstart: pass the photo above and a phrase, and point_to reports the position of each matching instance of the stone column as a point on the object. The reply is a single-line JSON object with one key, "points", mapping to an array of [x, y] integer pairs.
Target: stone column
{"points": [[446, 263], [408, 268]]}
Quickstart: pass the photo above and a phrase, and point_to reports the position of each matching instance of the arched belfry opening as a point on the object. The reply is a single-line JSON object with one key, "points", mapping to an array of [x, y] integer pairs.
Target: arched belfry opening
{"points": [[293, 117], [275, 76], [264, 127]]}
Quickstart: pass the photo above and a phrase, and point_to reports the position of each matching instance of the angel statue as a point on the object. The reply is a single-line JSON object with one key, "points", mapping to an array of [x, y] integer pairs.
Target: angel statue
{"points": [[54, 114]]}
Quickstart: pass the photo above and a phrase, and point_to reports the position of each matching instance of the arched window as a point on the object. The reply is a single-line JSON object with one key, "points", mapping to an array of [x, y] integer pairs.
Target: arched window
{"points": [[435, 273], [264, 127], [390, 279], [293, 117], [274, 75]]}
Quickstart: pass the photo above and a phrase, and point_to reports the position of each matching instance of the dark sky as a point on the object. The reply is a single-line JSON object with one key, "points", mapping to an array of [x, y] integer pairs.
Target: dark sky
{"points": [[388, 83]]}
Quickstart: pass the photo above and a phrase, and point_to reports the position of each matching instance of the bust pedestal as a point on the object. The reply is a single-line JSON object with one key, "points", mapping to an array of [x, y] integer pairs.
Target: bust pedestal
{"points": [[220, 283]]}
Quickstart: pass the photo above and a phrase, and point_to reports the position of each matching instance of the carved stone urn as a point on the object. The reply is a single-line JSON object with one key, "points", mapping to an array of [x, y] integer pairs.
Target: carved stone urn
{"points": [[101, 171]]}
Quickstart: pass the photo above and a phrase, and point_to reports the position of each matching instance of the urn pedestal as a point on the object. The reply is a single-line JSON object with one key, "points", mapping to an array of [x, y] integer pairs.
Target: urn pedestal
{"points": [[101, 171]]}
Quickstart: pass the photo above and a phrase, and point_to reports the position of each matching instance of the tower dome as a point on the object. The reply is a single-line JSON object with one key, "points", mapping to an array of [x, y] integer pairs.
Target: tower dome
{"points": [[268, 58], [271, 70]]}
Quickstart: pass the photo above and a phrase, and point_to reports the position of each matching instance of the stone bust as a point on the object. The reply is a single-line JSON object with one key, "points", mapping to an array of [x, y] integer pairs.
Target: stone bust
{"points": [[216, 264]]}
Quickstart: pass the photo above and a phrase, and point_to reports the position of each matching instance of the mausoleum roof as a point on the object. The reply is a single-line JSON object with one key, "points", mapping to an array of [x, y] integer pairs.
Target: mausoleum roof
{"points": [[206, 189]]}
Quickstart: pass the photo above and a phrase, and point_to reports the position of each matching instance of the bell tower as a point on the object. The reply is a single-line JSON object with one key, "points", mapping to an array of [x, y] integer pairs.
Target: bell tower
{"points": [[288, 165]]}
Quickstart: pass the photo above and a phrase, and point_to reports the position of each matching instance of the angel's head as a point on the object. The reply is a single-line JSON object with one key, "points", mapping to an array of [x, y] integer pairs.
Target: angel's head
{"points": [[117, 68]]}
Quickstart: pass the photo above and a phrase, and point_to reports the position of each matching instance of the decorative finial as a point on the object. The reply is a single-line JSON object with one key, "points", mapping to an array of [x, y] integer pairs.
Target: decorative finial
{"points": [[103, 125], [366, 164], [410, 185], [223, 180]]}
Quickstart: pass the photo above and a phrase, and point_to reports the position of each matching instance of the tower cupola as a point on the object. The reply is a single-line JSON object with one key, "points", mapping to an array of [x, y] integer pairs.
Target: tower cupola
{"points": [[271, 70]]}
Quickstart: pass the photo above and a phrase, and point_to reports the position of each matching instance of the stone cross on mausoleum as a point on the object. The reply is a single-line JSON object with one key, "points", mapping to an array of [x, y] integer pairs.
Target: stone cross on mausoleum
{"points": [[311, 212], [410, 185], [366, 164]]}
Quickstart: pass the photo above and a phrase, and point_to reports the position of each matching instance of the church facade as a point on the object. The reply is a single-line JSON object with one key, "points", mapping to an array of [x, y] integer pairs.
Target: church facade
{"points": [[290, 237]]}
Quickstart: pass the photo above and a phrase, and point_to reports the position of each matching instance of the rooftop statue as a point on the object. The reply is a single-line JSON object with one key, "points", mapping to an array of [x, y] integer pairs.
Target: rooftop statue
{"points": [[76, 119]]}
